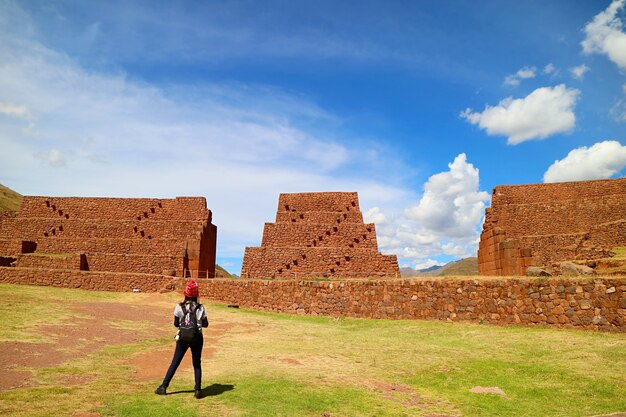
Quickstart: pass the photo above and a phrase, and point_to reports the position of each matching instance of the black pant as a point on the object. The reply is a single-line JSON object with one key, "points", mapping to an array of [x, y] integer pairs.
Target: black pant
{"points": [[196, 356]]}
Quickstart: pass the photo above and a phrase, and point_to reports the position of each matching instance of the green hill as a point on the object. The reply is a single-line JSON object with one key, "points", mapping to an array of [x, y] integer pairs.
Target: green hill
{"points": [[221, 272], [9, 199]]}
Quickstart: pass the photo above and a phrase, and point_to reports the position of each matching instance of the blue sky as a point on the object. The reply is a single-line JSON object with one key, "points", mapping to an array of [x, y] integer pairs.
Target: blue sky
{"points": [[421, 107]]}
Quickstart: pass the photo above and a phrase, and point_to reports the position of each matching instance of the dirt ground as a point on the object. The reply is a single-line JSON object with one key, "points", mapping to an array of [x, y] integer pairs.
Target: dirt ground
{"points": [[98, 326]]}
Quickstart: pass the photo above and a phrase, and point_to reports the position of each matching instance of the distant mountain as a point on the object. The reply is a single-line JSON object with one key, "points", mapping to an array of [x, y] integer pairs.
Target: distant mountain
{"points": [[462, 267], [9, 199], [411, 272]]}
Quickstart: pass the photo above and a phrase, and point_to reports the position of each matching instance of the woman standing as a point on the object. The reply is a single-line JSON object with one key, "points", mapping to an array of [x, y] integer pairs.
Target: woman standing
{"points": [[190, 317]]}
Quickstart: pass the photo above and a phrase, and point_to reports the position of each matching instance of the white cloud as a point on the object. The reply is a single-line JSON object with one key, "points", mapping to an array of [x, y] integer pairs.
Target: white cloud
{"points": [[549, 69], [579, 71], [426, 264], [544, 112], [618, 111], [15, 111], [375, 215], [604, 35], [446, 220], [52, 157], [451, 204], [513, 80], [119, 137], [602, 160]]}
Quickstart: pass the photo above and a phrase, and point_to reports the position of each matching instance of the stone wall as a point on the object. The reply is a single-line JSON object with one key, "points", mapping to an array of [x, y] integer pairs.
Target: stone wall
{"points": [[319, 202], [59, 244], [567, 303], [543, 224], [73, 261], [318, 235], [285, 235], [97, 281], [322, 262], [180, 208], [117, 234], [38, 228], [596, 304]]}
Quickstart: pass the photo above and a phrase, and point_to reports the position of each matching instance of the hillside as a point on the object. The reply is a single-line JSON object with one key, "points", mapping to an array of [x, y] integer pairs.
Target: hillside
{"points": [[9, 199], [462, 267]]}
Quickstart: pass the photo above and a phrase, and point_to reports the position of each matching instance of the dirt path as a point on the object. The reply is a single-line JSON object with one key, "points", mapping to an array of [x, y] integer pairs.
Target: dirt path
{"points": [[76, 338], [100, 324]]}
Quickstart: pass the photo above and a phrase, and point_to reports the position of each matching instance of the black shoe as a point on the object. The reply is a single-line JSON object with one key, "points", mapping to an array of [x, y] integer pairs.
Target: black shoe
{"points": [[161, 390], [198, 394]]}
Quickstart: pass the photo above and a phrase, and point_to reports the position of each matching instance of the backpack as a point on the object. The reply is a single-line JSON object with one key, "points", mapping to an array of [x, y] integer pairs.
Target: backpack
{"points": [[188, 325]]}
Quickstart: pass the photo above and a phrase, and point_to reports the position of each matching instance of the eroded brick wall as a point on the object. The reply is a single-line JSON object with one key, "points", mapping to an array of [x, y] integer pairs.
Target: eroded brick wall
{"points": [[543, 224], [318, 235]]}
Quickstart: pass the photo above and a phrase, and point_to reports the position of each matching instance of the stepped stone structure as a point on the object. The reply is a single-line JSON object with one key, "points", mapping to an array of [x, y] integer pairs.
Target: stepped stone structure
{"points": [[543, 224], [318, 235], [119, 235]]}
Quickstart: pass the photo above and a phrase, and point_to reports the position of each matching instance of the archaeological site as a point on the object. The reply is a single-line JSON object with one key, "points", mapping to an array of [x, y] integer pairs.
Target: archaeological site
{"points": [[543, 225], [127, 236], [318, 235], [319, 257]]}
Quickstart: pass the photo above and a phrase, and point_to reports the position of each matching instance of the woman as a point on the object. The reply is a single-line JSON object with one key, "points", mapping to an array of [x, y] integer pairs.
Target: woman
{"points": [[190, 308]]}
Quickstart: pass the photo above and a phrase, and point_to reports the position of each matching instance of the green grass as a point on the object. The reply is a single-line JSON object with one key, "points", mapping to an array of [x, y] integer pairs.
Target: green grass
{"points": [[9, 199], [267, 364]]}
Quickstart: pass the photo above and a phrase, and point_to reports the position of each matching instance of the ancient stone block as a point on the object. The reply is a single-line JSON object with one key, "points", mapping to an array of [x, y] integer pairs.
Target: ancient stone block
{"points": [[318, 235], [545, 224], [113, 234]]}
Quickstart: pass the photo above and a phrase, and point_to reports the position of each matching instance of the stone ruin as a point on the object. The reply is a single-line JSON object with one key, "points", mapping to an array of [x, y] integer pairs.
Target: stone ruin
{"points": [[318, 235], [545, 224], [120, 235]]}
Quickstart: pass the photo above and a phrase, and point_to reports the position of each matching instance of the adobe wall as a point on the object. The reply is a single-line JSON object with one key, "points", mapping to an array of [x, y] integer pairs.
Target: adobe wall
{"points": [[362, 236], [318, 235], [598, 304], [544, 224]]}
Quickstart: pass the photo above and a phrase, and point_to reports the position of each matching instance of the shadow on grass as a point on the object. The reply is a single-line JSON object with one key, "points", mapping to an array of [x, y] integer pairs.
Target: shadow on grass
{"points": [[210, 391]]}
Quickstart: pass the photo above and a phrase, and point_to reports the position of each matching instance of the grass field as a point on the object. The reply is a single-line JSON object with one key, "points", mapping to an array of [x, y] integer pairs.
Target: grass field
{"points": [[261, 364]]}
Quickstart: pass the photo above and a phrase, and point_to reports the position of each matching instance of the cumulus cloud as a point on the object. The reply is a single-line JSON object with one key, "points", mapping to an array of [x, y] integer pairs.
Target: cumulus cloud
{"points": [[544, 112], [618, 111], [513, 80], [451, 204], [604, 35], [446, 220], [602, 160], [579, 71], [375, 215]]}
